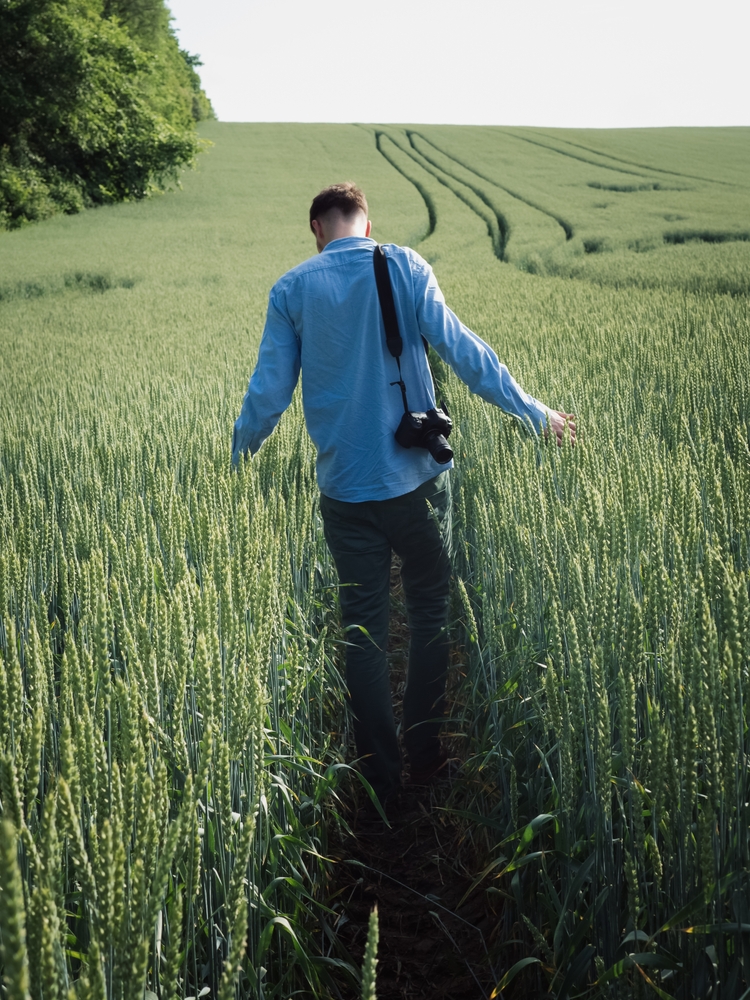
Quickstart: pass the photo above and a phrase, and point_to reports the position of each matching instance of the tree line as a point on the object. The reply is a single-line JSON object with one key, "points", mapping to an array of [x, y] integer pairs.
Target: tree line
{"points": [[98, 104]]}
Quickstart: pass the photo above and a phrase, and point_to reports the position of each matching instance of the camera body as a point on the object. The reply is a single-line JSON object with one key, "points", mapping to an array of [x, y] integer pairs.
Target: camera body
{"points": [[427, 430]]}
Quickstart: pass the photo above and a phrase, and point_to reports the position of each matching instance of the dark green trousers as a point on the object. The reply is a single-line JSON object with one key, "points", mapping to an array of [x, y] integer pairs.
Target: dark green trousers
{"points": [[361, 537]]}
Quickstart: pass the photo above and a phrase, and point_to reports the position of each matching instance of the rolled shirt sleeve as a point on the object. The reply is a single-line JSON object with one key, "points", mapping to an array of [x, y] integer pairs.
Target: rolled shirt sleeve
{"points": [[473, 361], [272, 383]]}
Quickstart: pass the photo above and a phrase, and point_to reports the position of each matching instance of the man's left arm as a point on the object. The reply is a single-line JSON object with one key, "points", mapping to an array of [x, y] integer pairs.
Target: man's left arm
{"points": [[476, 363], [271, 384]]}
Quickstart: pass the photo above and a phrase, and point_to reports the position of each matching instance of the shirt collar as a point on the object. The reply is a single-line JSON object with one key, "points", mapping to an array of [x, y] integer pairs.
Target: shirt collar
{"points": [[349, 242]]}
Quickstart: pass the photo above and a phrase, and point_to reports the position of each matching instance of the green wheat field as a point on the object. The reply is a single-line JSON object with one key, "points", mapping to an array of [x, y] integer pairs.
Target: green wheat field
{"points": [[172, 729]]}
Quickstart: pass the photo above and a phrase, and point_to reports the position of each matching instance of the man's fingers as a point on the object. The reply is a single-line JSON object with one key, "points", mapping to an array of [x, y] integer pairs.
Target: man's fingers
{"points": [[565, 420], [557, 421]]}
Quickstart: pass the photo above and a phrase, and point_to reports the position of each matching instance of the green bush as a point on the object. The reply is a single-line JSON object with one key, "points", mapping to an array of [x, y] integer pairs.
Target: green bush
{"points": [[96, 108]]}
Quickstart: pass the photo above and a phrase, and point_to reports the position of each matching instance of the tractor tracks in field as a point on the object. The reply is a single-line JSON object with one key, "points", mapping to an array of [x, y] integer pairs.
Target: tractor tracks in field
{"points": [[509, 213], [563, 223], [497, 227], [618, 159], [573, 156], [424, 193], [469, 185]]}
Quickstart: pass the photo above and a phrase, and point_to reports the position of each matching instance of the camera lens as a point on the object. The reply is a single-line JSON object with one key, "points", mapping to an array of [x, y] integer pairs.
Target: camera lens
{"points": [[438, 447]]}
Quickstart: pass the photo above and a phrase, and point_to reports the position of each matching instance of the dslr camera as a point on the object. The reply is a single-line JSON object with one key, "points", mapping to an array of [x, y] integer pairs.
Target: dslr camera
{"points": [[427, 430]]}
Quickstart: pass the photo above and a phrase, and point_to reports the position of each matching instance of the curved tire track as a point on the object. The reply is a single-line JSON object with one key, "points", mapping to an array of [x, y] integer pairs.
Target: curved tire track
{"points": [[501, 235], [498, 235], [424, 193], [574, 156], [566, 226], [634, 163]]}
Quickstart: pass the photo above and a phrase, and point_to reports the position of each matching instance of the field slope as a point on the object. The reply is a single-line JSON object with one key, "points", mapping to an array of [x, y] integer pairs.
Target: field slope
{"points": [[172, 722]]}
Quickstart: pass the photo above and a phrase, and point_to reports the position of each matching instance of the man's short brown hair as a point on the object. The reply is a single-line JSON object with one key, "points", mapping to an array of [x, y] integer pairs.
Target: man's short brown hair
{"points": [[346, 198]]}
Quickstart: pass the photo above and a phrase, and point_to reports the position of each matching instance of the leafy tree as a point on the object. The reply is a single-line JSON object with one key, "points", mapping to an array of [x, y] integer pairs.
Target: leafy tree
{"points": [[98, 104]]}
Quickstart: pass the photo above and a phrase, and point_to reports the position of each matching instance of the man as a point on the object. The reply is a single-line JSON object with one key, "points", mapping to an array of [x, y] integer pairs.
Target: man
{"points": [[324, 318]]}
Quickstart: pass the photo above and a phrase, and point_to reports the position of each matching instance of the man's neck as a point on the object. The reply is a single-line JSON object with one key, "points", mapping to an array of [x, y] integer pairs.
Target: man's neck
{"points": [[338, 227]]}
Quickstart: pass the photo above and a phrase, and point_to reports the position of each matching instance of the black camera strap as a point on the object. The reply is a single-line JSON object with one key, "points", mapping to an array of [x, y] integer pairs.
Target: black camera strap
{"points": [[390, 319], [387, 305]]}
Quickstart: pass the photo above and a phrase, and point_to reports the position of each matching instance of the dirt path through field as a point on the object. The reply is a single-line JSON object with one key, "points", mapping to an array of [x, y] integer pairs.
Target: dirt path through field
{"points": [[431, 944]]}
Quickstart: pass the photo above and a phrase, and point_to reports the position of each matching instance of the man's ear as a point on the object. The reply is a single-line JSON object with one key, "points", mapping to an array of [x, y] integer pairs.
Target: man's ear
{"points": [[320, 238], [369, 228]]}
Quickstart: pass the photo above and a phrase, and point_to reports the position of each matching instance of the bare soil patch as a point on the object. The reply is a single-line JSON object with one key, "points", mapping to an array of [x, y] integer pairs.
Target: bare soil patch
{"points": [[433, 943]]}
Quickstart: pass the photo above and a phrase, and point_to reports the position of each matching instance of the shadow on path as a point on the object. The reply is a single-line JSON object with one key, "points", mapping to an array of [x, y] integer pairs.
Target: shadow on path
{"points": [[417, 873]]}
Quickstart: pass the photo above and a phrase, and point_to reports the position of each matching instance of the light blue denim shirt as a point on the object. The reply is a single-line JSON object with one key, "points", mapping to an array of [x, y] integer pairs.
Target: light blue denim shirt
{"points": [[324, 318]]}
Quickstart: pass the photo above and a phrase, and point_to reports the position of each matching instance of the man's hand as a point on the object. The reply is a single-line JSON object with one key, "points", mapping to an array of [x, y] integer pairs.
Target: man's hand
{"points": [[557, 421]]}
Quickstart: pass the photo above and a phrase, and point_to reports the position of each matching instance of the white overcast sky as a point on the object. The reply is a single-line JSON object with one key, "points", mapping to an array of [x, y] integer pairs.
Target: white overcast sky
{"points": [[564, 63]]}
